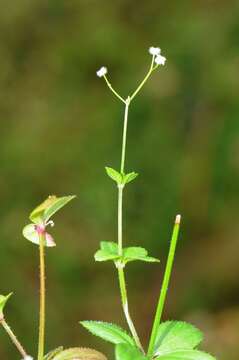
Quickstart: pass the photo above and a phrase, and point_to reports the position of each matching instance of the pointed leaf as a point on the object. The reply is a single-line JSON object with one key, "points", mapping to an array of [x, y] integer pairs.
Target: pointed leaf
{"points": [[48, 208], [3, 301], [129, 177], [186, 355], [30, 233], [113, 174], [176, 335], [128, 352], [109, 332], [79, 354]]}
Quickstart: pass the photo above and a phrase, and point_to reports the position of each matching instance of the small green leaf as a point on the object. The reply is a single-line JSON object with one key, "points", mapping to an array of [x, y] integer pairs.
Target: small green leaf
{"points": [[109, 332], [48, 208], [129, 177], [52, 353], [176, 335], [128, 352], [3, 301], [79, 354], [29, 232], [186, 355], [113, 174], [137, 253], [108, 251]]}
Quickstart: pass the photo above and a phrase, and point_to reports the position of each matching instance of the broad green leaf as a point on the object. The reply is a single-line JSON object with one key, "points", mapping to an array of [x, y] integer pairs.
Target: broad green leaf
{"points": [[52, 353], [109, 332], [79, 354], [176, 335], [128, 352], [108, 251], [129, 177], [48, 208], [109, 246], [3, 301], [29, 232], [137, 253], [186, 355], [113, 174], [103, 255]]}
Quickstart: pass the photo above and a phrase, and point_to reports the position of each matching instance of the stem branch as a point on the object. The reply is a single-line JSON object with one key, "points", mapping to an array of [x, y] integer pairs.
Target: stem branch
{"points": [[164, 287], [13, 338], [113, 90]]}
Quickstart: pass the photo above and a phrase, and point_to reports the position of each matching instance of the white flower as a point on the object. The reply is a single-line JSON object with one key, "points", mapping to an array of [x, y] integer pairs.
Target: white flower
{"points": [[154, 50], [160, 60], [28, 358], [102, 71]]}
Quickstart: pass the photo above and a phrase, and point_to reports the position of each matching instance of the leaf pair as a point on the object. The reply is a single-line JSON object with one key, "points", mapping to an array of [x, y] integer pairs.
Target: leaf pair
{"points": [[109, 251], [120, 178], [41, 215], [176, 340]]}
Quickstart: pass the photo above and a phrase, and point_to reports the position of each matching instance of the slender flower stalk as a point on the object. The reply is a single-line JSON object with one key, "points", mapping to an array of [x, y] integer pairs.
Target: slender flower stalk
{"points": [[13, 338], [165, 284], [155, 52], [41, 340]]}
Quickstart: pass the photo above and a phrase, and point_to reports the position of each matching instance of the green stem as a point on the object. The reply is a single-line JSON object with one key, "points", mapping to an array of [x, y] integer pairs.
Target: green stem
{"points": [[113, 90], [124, 300], [165, 285], [151, 69], [120, 266], [42, 297], [13, 338]]}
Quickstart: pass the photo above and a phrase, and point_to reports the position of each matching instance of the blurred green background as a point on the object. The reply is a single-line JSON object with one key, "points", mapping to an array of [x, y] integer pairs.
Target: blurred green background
{"points": [[60, 126]]}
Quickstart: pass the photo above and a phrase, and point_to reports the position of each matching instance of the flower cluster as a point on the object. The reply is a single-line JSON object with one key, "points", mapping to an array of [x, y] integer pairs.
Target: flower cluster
{"points": [[159, 59]]}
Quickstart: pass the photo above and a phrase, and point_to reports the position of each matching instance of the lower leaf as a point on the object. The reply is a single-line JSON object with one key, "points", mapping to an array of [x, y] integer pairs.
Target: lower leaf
{"points": [[186, 355], [128, 352]]}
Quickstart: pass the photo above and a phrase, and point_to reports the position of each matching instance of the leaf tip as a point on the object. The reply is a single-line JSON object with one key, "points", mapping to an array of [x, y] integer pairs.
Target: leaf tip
{"points": [[178, 219]]}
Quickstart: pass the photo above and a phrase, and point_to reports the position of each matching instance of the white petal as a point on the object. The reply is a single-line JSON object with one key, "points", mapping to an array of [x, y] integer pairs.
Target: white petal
{"points": [[154, 50], [102, 71], [30, 233], [160, 60]]}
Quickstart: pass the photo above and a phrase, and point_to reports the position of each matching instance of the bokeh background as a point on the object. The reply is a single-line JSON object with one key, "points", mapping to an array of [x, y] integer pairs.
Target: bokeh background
{"points": [[60, 126]]}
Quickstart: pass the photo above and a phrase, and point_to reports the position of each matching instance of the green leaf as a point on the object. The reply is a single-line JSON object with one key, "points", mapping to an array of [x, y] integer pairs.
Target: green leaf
{"points": [[3, 301], [108, 251], [109, 332], [52, 353], [48, 208], [129, 177], [128, 352], [30, 233], [137, 253], [176, 335], [186, 355], [113, 174], [79, 354]]}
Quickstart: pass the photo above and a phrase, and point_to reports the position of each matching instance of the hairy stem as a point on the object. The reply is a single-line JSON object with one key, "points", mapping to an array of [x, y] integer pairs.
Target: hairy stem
{"points": [[13, 338], [165, 284], [42, 297]]}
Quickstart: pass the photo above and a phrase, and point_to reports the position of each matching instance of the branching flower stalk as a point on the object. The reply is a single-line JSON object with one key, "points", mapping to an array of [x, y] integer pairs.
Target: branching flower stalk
{"points": [[157, 60]]}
